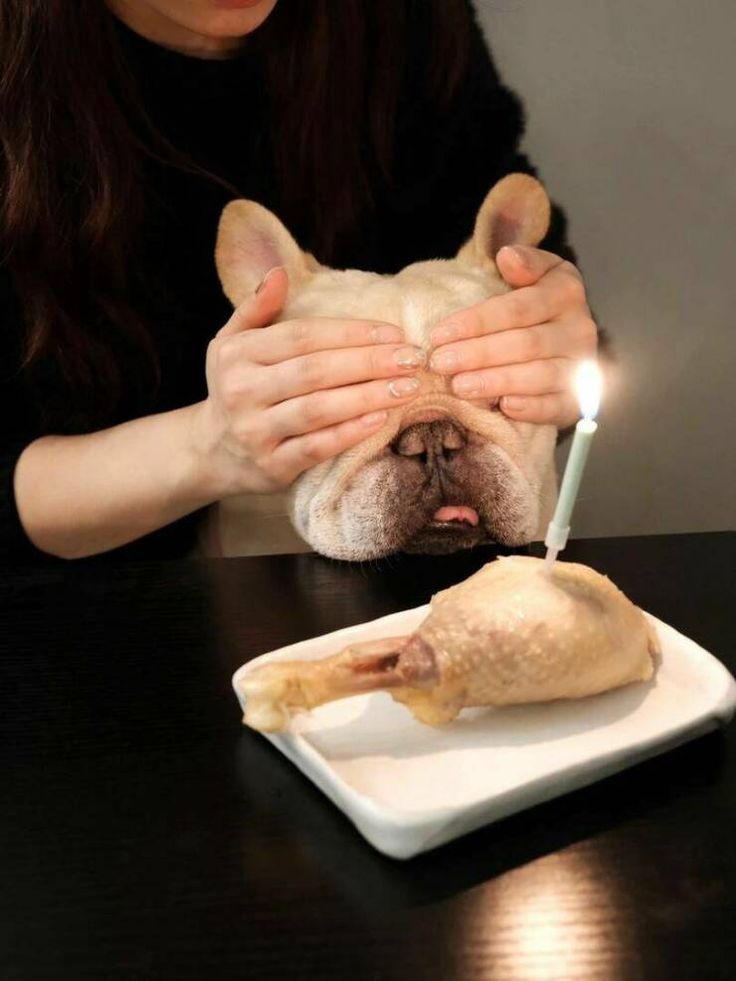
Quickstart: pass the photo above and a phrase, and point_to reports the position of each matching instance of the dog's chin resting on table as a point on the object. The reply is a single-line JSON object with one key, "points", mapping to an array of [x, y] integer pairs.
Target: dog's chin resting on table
{"points": [[443, 473]]}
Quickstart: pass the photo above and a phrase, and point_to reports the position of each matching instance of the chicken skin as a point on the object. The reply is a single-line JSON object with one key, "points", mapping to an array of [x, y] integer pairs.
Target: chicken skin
{"points": [[509, 634]]}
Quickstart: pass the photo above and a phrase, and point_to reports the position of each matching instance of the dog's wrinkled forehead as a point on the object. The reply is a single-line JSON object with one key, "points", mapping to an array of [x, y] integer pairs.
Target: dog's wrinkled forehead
{"points": [[416, 298]]}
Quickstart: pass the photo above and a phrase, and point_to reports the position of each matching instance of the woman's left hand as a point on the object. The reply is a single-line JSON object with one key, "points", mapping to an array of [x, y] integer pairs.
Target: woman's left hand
{"points": [[521, 347]]}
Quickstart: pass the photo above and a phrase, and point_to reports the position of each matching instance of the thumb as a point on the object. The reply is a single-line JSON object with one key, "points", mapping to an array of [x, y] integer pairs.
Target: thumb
{"points": [[522, 265], [262, 307]]}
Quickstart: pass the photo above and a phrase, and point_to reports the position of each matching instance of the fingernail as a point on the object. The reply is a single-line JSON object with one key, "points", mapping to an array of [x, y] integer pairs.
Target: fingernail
{"points": [[410, 357], [373, 419], [444, 361], [467, 386], [387, 334], [518, 252], [263, 281], [514, 403], [444, 334], [401, 387]]}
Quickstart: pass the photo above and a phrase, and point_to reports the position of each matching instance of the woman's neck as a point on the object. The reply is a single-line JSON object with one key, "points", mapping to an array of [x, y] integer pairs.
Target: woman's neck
{"points": [[156, 27]]}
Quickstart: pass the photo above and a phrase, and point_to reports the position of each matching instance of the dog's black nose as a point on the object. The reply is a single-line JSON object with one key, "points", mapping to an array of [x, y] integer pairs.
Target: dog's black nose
{"points": [[430, 441]]}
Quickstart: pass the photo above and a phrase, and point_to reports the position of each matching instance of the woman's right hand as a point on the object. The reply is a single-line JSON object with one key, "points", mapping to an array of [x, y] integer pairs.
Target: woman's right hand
{"points": [[286, 396]]}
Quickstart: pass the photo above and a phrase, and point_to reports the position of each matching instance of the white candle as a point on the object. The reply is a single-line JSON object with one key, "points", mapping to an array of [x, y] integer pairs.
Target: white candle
{"points": [[588, 388]]}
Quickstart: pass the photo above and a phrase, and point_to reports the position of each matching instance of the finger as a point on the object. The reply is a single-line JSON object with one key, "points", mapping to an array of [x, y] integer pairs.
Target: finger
{"points": [[333, 369], [263, 307], [556, 338], [533, 378], [323, 409], [294, 338], [520, 308], [522, 265], [558, 292], [298, 454], [509, 347], [557, 408]]}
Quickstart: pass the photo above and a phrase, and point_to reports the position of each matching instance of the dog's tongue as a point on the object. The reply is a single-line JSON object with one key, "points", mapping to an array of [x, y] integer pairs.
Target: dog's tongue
{"points": [[455, 513]]}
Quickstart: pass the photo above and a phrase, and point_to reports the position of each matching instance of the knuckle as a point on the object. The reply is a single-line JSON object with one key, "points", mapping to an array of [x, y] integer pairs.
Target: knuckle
{"points": [[366, 399], [571, 269], [533, 346], [265, 463], [309, 371], [502, 382], [573, 289], [229, 352], [473, 322], [223, 353], [373, 363], [213, 350], [300, 336], [312, 411], [314, 447], [589, 334], [237, 390], [521, 308], [559, 375], [247, 432]]}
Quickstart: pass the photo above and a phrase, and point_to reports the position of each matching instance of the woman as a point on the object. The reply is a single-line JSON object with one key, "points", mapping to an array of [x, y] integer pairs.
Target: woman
{"points": [[373, 129]]}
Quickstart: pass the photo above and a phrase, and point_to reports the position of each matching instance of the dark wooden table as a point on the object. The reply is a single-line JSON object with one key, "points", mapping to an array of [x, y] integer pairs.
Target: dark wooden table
{"points": [[144, 834]]}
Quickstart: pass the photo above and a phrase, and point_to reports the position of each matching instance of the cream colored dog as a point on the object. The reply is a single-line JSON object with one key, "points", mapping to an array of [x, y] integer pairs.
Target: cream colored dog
{"points": [[443, 473]]}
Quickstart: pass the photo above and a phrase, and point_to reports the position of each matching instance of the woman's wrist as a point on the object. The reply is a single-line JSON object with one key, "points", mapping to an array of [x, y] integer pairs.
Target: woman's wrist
{"points": [[208, 472]]}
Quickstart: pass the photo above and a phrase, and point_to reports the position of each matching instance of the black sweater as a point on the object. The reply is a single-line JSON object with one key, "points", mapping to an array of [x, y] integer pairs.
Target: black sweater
{"points": [[444, 165]]}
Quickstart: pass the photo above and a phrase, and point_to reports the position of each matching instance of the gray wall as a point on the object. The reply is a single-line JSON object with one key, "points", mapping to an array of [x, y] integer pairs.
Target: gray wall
{"points": [[631, 119]]}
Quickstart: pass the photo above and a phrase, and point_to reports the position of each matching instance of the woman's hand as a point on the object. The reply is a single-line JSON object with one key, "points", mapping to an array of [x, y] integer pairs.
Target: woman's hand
{"points": [[523, 346], [285, 397]]}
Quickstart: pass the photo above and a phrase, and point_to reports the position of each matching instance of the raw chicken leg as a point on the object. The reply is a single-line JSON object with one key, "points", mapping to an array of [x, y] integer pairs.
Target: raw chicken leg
{"points": [[508, 634]]}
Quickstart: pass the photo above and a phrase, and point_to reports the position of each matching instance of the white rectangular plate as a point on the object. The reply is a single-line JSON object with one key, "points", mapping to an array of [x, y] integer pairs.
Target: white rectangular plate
{"points": [[408, 787]]}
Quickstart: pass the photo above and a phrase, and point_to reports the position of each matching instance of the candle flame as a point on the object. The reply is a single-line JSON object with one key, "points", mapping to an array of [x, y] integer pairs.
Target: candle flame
{"points": [[588, 386]]}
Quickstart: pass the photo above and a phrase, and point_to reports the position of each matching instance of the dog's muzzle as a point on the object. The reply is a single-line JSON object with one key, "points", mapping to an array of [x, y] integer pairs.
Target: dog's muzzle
{"points": [[435, 447]]}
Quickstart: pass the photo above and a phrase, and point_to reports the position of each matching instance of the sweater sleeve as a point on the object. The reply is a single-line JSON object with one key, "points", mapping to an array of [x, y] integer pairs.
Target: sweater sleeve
{"points": [[449, 158]]}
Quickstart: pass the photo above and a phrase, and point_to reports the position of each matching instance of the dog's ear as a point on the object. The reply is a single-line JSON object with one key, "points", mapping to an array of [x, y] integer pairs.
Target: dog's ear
{"points": [[516, 211], [250, 241]]}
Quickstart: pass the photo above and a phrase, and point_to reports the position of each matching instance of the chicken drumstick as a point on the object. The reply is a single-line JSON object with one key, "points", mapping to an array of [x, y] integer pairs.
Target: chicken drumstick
{"points": [[508, 634]]}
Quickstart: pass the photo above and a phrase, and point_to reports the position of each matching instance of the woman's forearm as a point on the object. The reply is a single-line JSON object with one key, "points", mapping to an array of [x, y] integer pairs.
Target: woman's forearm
{"points": [[259, 428], [80, 495]]}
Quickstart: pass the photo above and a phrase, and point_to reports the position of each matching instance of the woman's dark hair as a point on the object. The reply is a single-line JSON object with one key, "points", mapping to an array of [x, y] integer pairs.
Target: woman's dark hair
{"points": [[73, 138]]}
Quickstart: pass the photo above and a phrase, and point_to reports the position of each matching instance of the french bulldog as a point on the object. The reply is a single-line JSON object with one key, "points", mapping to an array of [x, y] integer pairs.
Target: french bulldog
{"points": [[443, 473]]}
